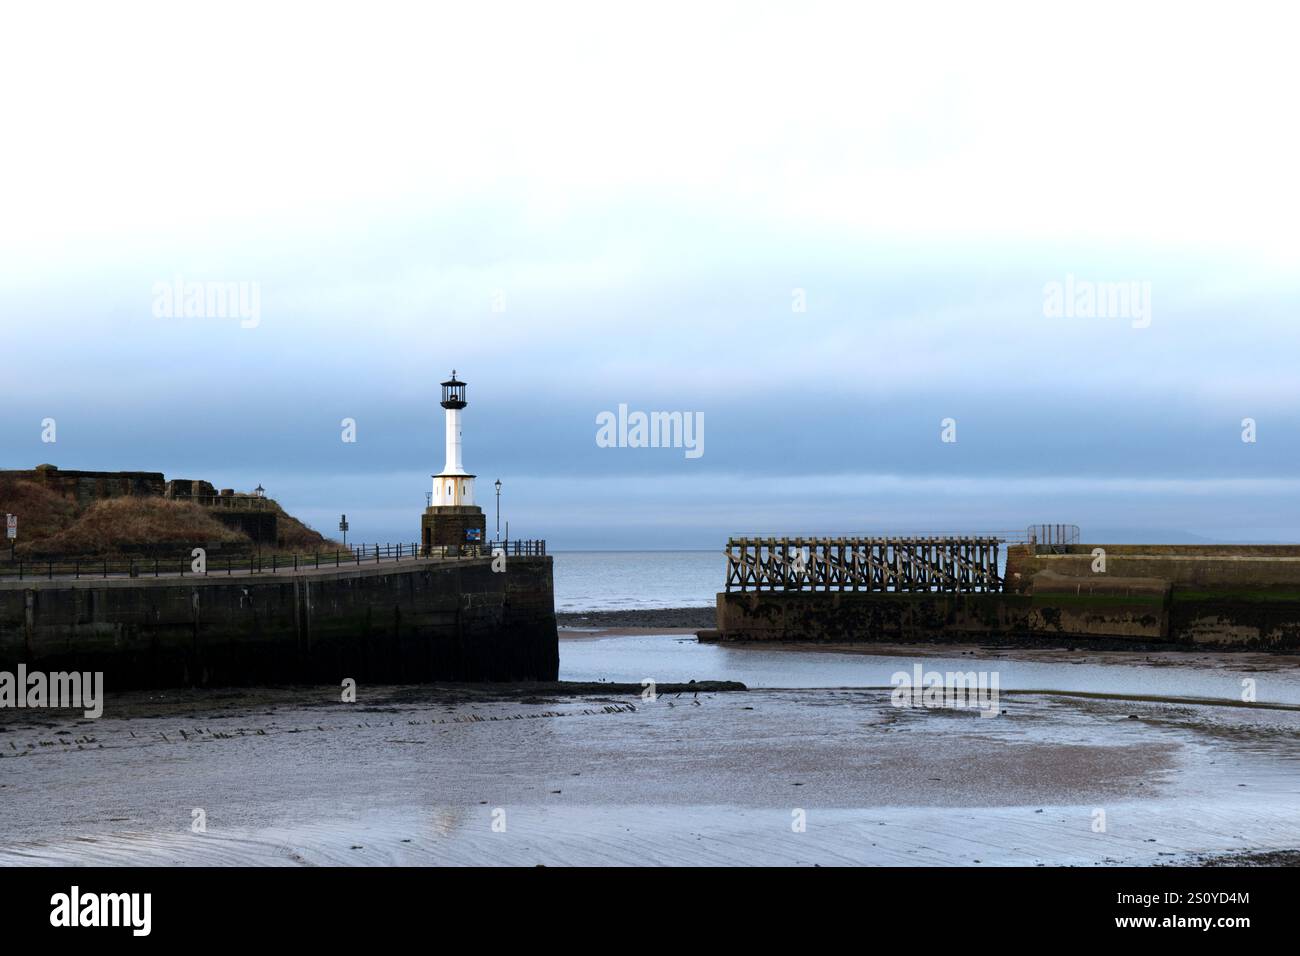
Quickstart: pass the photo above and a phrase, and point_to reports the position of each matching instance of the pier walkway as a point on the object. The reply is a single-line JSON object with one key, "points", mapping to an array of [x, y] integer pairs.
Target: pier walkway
{"points": [[245, 564]]}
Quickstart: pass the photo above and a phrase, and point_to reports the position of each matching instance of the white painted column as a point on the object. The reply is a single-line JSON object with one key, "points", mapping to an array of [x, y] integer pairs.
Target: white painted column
{"points": [[453, 466]]}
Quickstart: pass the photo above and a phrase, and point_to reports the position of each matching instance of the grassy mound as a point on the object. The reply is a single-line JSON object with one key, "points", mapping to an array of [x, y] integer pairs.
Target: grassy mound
{"points": [[41, 512], [126, 525], [52, 525], [295, 536]]}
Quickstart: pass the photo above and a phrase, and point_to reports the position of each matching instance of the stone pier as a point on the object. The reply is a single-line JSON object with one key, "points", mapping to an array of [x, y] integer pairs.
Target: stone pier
{"points": [[427, 620]]}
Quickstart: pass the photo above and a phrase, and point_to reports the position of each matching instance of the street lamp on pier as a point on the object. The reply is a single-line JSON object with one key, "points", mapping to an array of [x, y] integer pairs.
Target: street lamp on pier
{"points": [[498, 509]]}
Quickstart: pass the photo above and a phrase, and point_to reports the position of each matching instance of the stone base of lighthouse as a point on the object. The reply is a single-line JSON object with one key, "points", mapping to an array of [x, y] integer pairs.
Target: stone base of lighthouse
{"points": [[449, 526]]}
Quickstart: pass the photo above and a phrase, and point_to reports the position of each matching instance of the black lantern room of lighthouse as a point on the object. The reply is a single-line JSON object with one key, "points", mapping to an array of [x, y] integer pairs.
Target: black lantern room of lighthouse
{"points": [[453, 392]]}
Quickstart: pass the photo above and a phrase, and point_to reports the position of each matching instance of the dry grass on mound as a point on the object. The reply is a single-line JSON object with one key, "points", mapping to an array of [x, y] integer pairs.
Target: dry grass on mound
{"points": [[113, 524], [41, 512], [53, 525], [297, 537]]}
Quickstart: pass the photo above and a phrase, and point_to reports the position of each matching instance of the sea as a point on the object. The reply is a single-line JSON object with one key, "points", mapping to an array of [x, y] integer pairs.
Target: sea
{"points": [[637, 580]]}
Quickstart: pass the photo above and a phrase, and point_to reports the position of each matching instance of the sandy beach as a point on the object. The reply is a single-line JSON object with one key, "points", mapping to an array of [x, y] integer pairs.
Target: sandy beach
{"points": [[442, 775]]}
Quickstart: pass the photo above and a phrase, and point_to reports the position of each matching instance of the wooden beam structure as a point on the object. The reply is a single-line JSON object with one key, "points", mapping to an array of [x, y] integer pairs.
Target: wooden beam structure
{"points": [[954, 564]]}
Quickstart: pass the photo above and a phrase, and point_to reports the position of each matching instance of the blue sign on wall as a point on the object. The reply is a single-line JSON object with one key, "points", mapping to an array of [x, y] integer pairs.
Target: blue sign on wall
{"points": [[473, 534]]}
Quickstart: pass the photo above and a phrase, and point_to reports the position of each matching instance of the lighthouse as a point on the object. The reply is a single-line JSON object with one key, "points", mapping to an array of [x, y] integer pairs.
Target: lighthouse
{"points": [[452, 520]]}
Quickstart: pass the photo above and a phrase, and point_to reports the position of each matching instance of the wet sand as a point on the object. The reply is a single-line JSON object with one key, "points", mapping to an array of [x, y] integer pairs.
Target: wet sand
{"points": [[660, 620], [580, 633], [419, 775]]}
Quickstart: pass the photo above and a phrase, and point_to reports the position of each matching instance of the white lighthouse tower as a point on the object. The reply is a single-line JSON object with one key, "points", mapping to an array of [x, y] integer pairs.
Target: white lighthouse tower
{"points": [[452, 520], [454, 485]]}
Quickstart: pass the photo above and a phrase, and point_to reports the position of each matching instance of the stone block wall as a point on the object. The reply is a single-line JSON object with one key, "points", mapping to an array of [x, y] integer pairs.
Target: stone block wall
{"points": [[445, 525], [423, 621], [85, 487]]}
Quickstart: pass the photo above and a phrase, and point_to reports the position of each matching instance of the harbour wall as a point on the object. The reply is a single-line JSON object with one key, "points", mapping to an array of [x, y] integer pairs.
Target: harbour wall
{"points": [[1254, 567], [1183, 595], [929, 616], [427, 620]]}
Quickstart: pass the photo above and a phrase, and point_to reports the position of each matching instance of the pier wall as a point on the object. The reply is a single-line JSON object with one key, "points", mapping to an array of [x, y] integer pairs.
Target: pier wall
{"points": [[1184, 566], [1142, 618], [849, 617], [1180, 594], [436, 620]]}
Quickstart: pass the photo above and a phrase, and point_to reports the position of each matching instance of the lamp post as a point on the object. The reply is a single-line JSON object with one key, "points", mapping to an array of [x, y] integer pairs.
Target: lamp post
{"points": [[498, 509]]}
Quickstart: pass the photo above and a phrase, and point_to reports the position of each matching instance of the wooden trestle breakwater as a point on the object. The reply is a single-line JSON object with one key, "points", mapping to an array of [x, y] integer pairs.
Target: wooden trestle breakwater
{"points": [[959, 565], [1043, 584]]}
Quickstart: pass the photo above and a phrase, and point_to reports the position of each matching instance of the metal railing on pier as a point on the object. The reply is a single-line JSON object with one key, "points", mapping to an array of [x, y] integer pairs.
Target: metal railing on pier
{"points": [[1053, 535], [520, 548], [215, 563]]}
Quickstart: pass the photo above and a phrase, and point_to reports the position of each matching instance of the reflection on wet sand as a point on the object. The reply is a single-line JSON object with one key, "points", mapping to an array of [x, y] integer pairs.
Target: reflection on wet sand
{"points": [[1219, 675]]}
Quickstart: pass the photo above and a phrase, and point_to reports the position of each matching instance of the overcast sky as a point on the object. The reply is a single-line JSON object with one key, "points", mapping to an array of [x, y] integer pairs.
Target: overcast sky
{"points": [[579, 207]]}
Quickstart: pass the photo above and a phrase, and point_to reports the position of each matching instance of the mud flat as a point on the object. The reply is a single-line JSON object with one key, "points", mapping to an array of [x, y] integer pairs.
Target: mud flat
{"points": [[420, 775], [675, 618]]}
